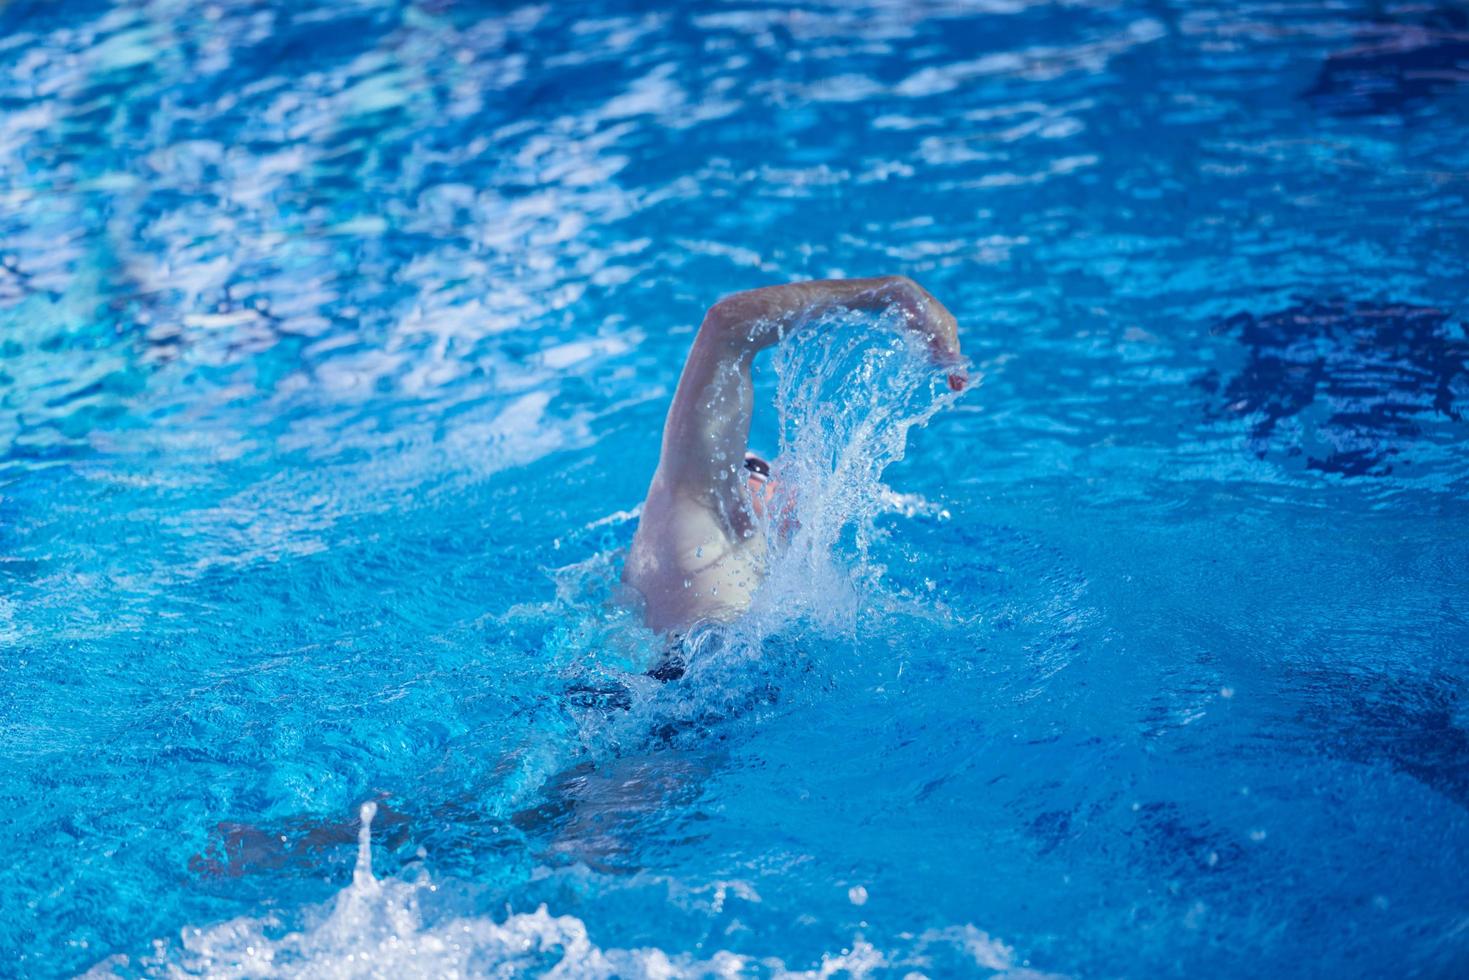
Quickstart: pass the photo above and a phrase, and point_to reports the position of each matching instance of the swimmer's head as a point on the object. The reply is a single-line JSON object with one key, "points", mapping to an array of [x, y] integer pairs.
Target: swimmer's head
{"points": [[757, 478]]}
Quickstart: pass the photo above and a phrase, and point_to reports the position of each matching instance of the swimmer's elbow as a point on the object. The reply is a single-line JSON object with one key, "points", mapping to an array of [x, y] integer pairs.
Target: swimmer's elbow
{"points": [[904, 288], [727, 322], [756, 318]]}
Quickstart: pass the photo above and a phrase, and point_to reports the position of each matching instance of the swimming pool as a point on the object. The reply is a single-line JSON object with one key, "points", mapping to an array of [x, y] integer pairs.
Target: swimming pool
{"points": [[335, 340]]}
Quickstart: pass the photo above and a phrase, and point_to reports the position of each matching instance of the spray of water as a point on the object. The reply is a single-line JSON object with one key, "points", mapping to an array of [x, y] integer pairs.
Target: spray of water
{"points": [[379, 928], [849, 391]]}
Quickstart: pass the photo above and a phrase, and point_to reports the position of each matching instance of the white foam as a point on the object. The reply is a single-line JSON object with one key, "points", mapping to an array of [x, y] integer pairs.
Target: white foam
{"points": [[377, 928]]}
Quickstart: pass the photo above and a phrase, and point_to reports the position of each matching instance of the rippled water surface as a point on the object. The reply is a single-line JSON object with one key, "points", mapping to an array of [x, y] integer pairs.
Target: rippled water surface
{"points": [[335, 342]]}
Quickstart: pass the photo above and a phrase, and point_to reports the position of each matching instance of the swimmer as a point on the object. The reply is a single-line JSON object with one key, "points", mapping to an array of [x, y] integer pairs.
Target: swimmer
{"points": [[699, 553], [697, 556]]}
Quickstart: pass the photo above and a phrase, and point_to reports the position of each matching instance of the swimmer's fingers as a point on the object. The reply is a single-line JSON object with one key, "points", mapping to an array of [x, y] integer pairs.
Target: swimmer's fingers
{"points": [[943, 347]]}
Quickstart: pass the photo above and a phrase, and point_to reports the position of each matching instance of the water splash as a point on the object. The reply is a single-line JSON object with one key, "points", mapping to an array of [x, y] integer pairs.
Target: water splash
{"points": [[849, 391], [382, 928], [362, 878]]}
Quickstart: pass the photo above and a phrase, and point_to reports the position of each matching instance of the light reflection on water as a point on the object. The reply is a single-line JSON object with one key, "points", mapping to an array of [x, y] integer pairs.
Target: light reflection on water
{"points": [[334, 343]]}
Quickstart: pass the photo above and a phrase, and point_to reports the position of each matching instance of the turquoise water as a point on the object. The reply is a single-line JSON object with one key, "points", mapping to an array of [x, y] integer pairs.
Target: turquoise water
{"points": [[335, 340]]}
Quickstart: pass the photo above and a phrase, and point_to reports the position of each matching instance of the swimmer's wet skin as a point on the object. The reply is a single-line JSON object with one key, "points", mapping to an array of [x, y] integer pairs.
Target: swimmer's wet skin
{"points": [[699, 551]]}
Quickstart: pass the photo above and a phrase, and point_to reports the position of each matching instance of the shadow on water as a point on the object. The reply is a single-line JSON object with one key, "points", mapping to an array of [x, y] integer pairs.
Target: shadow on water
{"points": [[1395, 65], [1412, 725], [1349, 386]]}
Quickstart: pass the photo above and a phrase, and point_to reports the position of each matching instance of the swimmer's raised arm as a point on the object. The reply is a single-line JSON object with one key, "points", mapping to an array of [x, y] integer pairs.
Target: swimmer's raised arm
{"points": [[698, 552], [708, 426]]}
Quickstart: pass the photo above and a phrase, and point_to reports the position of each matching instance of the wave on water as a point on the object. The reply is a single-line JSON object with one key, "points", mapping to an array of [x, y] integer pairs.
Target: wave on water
{"points": [[382, 927]]}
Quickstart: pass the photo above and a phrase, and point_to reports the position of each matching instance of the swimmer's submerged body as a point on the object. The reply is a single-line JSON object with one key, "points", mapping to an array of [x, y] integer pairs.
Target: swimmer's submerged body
{"points": [[699, 551]]}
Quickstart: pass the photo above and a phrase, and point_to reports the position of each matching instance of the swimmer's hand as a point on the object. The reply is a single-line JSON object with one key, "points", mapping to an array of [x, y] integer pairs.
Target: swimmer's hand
{"points": [[930, 318]]}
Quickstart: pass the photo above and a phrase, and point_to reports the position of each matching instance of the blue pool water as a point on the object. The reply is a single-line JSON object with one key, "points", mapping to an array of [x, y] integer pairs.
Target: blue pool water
{"points": [[335, 339]]}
